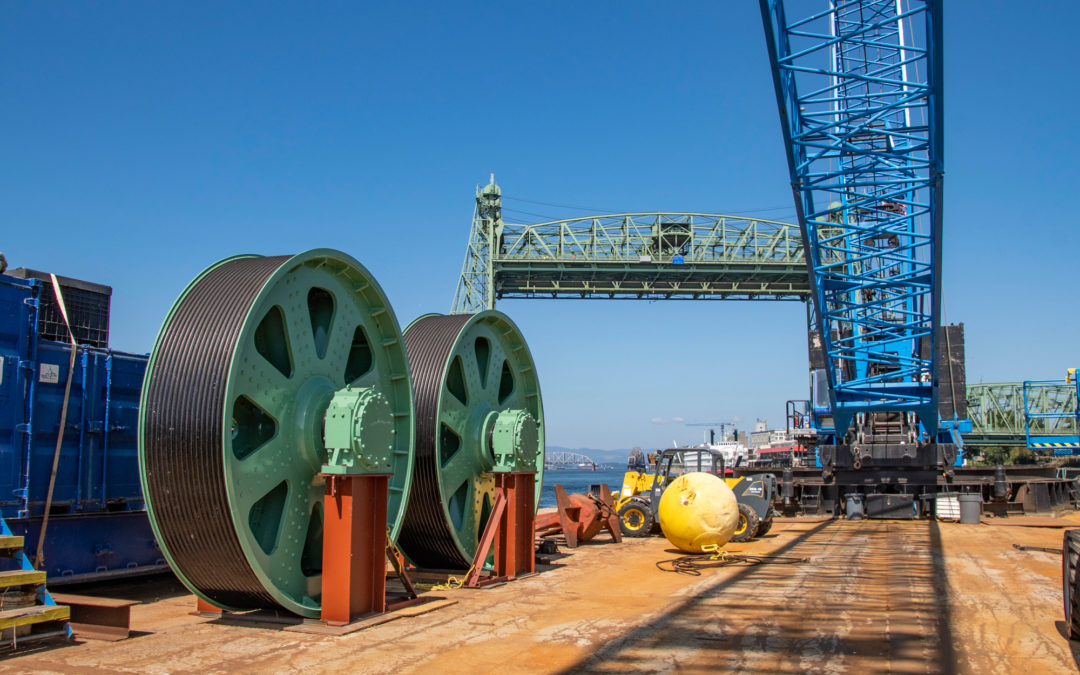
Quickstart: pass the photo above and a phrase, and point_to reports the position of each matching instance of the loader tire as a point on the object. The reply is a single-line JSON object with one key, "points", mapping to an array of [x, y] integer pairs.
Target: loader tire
{"points": [[764, 527], [747, 526], [635, 519]]}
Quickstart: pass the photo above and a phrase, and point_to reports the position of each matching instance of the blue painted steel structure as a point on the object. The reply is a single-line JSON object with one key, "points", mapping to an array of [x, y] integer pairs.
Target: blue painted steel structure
{"points": [[1052, 429], [97, 526], [859, 90]]}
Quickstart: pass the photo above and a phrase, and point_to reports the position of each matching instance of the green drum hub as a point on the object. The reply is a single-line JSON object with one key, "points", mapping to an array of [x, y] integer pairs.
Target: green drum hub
{"points": [[234, 405], [478, 411]]}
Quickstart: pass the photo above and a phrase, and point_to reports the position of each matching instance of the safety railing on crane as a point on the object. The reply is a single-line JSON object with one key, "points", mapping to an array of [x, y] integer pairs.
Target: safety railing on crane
{"points": [[1052, 415]]}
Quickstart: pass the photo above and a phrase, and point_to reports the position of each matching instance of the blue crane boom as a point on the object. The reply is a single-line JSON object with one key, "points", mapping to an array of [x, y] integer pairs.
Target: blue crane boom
{"points": [[859, 89]]}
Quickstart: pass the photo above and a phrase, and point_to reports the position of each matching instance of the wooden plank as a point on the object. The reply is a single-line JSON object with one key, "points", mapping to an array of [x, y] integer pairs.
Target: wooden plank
{"points": [[21, 578], [11, 541], [23, 616], [321, 628], [424, 608]]}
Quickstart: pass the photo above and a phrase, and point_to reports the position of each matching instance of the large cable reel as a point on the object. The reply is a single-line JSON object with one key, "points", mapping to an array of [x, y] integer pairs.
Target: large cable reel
{"points": [[478, 411], [231, 421]]}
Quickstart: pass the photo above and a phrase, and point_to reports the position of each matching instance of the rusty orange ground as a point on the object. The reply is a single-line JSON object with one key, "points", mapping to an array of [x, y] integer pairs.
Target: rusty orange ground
{"points": [[876, 596]]}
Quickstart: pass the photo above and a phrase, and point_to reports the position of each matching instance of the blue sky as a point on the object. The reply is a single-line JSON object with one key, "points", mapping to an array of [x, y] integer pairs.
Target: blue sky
{"points": [[143, 141]]}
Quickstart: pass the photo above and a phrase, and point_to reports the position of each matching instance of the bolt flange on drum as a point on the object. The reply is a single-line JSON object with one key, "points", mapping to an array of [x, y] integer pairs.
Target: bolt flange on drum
{"points": [[478, 411], [255, 362]]}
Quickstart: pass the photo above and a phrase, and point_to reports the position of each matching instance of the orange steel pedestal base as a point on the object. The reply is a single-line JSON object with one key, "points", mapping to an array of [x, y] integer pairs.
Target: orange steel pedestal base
{"points": [[509, 528], [354, 546], [355, 550]]}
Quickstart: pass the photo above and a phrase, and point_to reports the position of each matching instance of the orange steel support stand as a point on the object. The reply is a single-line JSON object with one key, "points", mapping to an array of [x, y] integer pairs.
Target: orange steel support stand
{"points": [[204, 607], [354, 546], [509, 528]]}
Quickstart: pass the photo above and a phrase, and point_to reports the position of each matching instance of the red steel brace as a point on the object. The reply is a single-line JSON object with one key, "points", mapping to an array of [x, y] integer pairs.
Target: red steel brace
{"points": [[509, 528]]}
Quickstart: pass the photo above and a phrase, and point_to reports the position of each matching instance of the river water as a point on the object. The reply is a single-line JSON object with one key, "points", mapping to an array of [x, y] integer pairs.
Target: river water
{"points": [[578, 480]]}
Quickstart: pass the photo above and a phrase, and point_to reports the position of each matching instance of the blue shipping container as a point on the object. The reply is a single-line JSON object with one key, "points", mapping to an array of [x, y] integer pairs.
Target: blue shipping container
{"points": [[97, 524]]}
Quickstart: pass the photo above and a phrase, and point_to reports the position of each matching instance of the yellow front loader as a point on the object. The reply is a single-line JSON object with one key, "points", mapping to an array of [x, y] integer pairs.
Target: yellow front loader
{"points": [[639, 499]]}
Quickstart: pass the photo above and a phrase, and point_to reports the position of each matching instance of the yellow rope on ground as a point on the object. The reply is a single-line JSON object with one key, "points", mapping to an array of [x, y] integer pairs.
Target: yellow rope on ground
{"points": [[693, 564], [452, 583]]}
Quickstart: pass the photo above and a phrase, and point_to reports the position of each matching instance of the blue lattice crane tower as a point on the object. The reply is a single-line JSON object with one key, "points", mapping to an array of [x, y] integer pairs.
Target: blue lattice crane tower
{"points": [[859, 88]]}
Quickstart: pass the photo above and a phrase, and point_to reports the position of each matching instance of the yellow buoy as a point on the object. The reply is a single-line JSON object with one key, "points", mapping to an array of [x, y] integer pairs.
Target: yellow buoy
{"points": [[698, 509]]}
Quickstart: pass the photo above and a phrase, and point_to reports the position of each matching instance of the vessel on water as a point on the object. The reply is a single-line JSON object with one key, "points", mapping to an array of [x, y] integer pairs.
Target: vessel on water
{"points": [[734, 452]]}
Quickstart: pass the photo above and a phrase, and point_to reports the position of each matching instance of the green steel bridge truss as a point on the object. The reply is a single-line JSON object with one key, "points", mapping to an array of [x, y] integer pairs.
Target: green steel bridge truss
{"points": [[996, 412], [638, 256], [692, 256]]}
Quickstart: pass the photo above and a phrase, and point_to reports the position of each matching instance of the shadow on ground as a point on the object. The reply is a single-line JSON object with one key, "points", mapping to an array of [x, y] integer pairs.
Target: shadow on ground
{"points": [[149, 588], [873, 597]]}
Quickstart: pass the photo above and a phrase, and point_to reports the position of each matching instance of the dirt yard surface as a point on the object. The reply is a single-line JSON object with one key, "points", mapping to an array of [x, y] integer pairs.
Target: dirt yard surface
{"points": [[874, 596]]}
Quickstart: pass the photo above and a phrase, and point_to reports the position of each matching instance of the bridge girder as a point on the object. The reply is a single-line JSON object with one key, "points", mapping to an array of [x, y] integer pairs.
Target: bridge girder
{"points": [[638, 256], [996, 411], [567, 458]]}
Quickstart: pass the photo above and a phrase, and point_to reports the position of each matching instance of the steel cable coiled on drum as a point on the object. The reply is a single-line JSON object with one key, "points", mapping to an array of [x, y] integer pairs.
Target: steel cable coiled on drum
{"points": [[183, 407], [468, 371], [231, 430], [425, 534]]}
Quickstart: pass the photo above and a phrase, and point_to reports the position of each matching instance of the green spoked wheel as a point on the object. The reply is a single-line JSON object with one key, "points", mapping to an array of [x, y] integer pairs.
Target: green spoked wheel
{"points": [[478, 408], [232, 414]]}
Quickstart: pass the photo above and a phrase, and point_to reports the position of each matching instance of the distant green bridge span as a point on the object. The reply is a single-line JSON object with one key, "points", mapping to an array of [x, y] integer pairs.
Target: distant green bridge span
{"points": [[996, 411], [648, 255]]}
